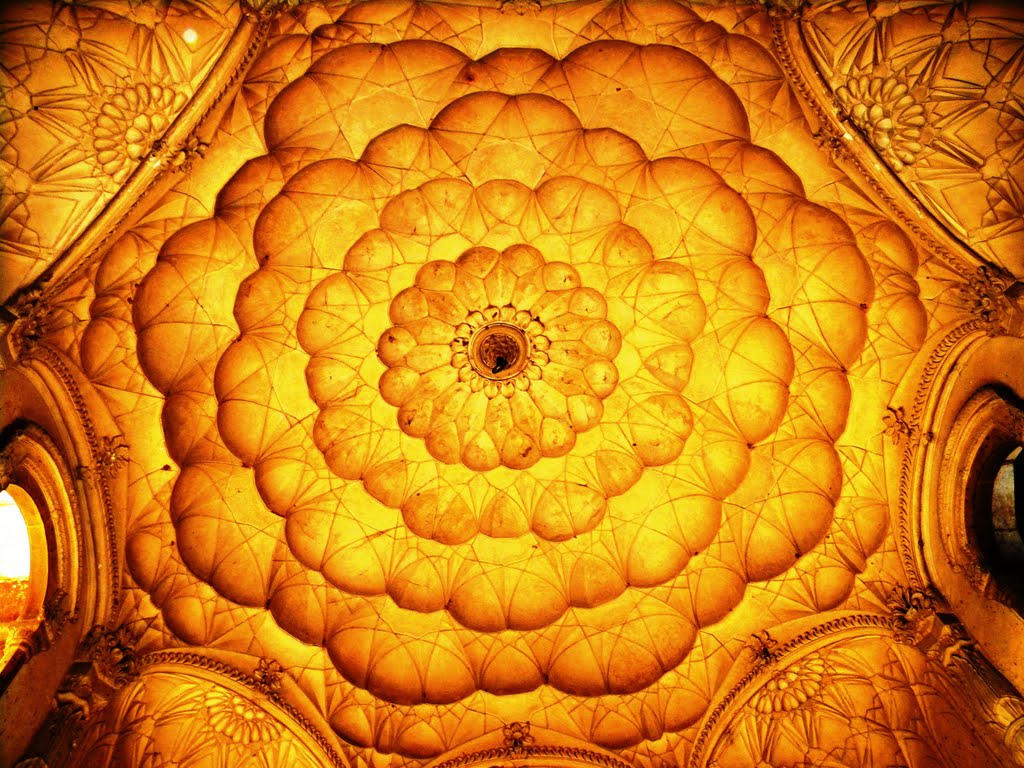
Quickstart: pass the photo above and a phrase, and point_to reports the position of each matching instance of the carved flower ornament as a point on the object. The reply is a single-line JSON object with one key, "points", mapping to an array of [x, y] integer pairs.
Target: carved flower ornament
{"points": [[790, 688], [886, 112], [238, 718], [131, 120]]}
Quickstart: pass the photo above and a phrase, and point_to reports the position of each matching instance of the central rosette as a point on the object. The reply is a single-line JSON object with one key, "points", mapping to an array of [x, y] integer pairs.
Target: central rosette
{"points": [[498, 358]]}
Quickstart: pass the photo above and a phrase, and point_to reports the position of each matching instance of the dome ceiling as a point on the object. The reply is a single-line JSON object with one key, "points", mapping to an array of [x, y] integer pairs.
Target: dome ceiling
{"points": [[506, 363], [580, 537], [79, 113]]}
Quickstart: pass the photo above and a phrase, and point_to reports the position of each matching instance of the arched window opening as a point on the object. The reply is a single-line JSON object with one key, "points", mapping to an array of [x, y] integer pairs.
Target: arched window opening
{"points": [[970, 498], [1007, 512], [24, 573], [15, 560], [995, 509]]}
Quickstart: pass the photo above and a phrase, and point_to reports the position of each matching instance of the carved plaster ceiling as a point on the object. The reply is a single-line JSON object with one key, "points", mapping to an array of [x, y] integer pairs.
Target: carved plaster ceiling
{"points": [[183, 714], [938, 90], [564, 543], [507, 363], [859, 701], [87, 88]]}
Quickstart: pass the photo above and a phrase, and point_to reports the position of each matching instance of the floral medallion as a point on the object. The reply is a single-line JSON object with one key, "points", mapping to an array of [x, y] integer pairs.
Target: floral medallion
{"points": [[525, 323], [130, 121], [239, 719], [888, 115], [790, 688]]}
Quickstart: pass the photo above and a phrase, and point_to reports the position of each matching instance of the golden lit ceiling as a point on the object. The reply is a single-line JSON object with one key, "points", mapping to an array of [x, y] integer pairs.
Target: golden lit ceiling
{"points": [[87, 89], [938, 92], [507, 362]]}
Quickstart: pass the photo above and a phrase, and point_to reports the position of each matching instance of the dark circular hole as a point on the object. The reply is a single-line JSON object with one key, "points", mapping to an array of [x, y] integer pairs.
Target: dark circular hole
{"points": [[499, 351]]}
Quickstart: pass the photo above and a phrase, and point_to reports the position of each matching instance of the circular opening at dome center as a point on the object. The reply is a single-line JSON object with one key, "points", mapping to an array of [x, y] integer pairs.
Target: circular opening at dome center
{"points": [[499, 351]]}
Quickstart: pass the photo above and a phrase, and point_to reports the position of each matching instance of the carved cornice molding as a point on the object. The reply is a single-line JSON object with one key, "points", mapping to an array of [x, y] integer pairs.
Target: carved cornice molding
{"points": [[543, 754], [908, 422]]}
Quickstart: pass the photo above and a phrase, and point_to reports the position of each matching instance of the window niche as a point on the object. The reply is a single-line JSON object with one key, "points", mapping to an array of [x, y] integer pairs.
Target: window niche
{"points": [[23, 571], [40, 573], [983, 485], [958, 493], [993, 540], [1008, 511]]}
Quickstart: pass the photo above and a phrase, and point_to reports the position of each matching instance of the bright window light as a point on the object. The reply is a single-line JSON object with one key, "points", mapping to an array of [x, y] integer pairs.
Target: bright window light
{"points": [[14, 549]]}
